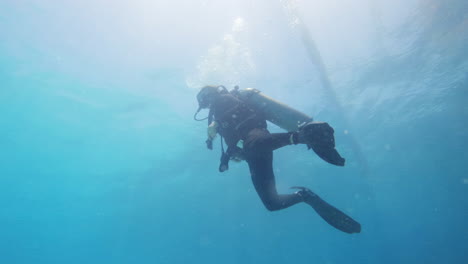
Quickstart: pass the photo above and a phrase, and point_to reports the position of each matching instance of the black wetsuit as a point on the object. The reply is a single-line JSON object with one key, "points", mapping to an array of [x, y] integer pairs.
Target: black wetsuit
{"points": [[236, 121]]}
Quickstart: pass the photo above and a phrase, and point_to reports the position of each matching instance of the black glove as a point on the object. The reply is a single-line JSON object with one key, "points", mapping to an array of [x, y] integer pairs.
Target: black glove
{"points": [[224, 164]]}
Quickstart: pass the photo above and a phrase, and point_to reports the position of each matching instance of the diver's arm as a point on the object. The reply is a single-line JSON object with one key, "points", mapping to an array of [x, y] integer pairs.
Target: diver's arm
{"points": [[212, 130], [211, 133]]}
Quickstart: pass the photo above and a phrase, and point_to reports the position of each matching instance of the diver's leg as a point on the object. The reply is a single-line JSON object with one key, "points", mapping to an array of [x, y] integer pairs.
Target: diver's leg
{"points": [[279, 140], [317, 135], [266, 141], [258, 149], [263, 178]]}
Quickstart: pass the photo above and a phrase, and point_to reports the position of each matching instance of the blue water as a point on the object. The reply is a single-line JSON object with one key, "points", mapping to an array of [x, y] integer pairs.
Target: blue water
{"points": [[101, 162]]}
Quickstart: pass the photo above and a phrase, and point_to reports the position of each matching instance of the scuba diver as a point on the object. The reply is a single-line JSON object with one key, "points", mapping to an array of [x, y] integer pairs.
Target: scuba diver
{"points": [[239, 116]]}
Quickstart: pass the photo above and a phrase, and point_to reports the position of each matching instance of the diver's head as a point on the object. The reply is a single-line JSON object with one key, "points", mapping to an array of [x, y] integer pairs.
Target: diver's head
{"points": [[208, 94]]}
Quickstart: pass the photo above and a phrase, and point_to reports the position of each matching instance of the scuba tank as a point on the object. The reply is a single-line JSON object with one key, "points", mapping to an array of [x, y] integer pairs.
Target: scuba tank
{"points": [[274, 111]]}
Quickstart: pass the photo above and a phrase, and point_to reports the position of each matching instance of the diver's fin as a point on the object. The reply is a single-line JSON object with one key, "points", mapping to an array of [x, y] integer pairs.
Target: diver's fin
{"points": [[328, 154], [329, 213], [319, 137]]}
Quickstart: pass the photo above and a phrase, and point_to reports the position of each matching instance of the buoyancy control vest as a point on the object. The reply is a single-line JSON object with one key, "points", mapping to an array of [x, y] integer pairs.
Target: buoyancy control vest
{"points": [[235, 118]]}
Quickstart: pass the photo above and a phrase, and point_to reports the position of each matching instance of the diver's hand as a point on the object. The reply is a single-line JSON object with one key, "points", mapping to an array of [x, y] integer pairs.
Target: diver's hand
{"points": [[212, 130]]}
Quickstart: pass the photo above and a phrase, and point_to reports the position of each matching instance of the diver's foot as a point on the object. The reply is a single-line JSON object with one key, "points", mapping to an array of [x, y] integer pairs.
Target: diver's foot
{"points": [[319, 137], [329, 213], [305, 193]]}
